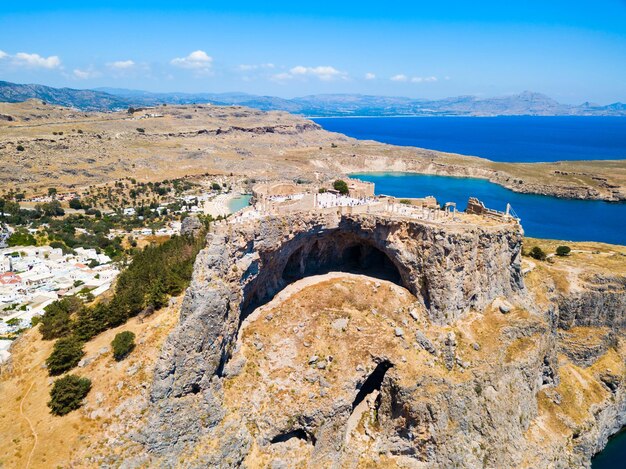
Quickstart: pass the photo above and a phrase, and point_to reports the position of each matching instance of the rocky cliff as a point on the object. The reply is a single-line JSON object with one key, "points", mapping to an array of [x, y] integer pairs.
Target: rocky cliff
{"points": [[447, 360], [450, 269]]}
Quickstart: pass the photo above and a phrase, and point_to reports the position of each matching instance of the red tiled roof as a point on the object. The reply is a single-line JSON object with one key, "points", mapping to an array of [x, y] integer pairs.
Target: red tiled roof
{"points": [[9, 278]]}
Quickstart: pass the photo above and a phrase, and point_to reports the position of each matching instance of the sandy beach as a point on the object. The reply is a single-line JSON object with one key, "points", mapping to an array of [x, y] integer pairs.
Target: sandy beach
{"points": [[219, 205]]}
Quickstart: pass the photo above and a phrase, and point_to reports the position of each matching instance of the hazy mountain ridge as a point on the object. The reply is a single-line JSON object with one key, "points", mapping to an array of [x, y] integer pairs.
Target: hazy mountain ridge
{"points": [[106, 99], [88, 100]]}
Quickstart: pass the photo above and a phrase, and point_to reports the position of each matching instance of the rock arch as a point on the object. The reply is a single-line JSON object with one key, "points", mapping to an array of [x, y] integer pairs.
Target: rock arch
{"points": [[320, 253]]}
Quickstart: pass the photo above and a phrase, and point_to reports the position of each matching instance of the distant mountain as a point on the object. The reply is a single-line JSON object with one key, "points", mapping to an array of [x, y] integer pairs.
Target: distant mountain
{"points": [[88, 100], [106, 99]]}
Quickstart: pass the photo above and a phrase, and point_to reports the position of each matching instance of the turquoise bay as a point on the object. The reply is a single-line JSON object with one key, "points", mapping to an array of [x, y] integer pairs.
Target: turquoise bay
{"points": [[542, 216]]}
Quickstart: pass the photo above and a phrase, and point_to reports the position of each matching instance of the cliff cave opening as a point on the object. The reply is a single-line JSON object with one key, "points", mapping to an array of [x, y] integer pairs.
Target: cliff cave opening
{"points": [[341, 252], [373, 382], [298, 433], [356, 258]]}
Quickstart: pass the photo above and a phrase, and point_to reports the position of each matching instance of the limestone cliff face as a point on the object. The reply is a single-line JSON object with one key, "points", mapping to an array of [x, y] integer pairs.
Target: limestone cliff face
{"points": [[601, 303], [451, 269]]}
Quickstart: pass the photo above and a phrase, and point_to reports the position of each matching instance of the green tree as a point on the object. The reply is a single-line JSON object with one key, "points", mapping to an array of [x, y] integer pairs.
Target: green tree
{"points": [[56, 321], [216, 187], [65, 355], [341, 186], [52, 192], [76, 204], [563, 251], [67, 394], [21, 238], [123, 344], [9, 207], [157, 296], [51, 209], [537, 253]]}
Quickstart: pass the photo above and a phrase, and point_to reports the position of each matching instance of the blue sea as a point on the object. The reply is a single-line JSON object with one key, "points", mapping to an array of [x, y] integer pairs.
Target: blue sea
{"points": [[614, 454], [513, 139], [516, 139]]}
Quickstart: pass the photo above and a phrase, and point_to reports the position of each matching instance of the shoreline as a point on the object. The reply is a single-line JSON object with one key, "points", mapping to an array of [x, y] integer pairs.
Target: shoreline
{"points": [[599, 180], [512, 188], [396, 116], [219, 205]]}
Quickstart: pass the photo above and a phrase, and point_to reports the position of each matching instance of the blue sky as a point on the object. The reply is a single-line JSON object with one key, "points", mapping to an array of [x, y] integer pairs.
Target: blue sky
{"points": [[573, 51]]}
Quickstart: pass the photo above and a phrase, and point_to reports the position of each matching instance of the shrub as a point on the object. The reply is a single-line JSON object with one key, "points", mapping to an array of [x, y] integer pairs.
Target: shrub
{"points": [[76, 204], [140, 130], [65, 355], [405, 201], [21, 238], [20, 148], [216, 187], [341, 186], [537, 253], [563, 251], [95, 212], [67, 394], [14, 322], [322, 190], [123, 344]]}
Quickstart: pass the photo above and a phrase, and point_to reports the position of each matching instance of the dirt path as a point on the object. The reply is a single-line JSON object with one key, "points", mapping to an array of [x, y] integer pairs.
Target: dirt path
{"points": [[30, 424]]}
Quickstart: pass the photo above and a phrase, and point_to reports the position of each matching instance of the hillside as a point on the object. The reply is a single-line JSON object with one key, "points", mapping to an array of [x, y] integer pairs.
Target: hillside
{"points": [[42, 145], [82, 99]]}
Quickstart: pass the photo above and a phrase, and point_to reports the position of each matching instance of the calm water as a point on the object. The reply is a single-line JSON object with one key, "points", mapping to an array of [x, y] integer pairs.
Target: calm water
{"points": [[239, 202], [614, 455], [515, 139], [542, 217]]}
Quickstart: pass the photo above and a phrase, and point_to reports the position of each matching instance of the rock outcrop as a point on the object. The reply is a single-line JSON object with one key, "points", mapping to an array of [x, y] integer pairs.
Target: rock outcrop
{"points": [[448, 360], [451, 269]]}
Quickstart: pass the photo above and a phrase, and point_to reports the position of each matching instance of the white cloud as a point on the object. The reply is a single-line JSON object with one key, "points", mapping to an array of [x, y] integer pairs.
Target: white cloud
{"points": [[322, 72], [252, 67], [85, 74], [370, 76], [423, 79], [404, 78], [121, 64], [36, 61], [3, 54], [197, 60], [399, 77]]}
